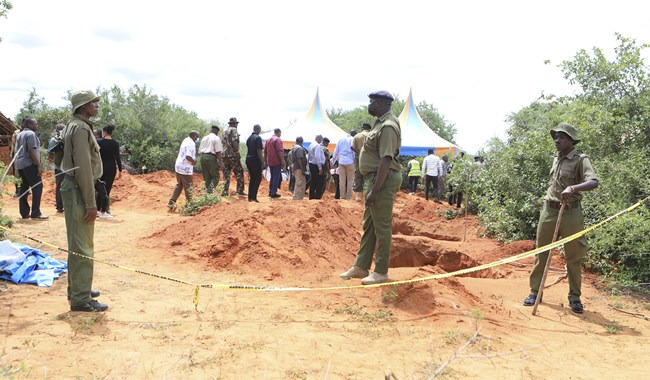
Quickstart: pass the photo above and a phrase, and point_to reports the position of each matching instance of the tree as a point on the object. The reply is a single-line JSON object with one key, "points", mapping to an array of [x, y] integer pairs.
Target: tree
{"points": [[5, 7]]}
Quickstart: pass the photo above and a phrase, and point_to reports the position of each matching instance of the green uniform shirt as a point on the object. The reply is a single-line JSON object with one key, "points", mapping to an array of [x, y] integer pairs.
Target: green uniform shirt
{"points": [[231, 142], [80, 150], [383, 140], [569, 170]]}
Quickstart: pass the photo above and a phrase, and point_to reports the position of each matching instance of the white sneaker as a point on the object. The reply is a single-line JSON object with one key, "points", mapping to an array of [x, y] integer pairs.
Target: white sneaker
{"points": [[104, 215], [354, 272], [374, 278]]}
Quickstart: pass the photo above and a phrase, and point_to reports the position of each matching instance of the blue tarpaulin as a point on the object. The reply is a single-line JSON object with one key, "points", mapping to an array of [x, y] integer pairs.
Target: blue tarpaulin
{"points": [[31, 267]]}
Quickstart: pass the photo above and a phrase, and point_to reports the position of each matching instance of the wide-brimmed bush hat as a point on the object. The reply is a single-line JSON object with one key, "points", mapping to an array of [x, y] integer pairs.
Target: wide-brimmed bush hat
{"points": [[81, 98], [568, 129]]}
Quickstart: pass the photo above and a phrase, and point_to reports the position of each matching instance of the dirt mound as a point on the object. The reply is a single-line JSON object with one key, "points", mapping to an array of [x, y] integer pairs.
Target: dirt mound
{"points": [[277, 239]]}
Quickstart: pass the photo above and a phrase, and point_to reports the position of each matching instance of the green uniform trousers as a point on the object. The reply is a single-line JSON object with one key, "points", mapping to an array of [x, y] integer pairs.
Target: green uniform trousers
{"points": [[378, 223], [80, 240], [575, 251], [357, 186], [232, 164], [210, 170]]}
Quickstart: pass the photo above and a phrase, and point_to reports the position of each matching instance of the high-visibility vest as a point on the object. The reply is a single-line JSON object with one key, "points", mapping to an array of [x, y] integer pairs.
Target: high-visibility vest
{"points": [[415, 169]]}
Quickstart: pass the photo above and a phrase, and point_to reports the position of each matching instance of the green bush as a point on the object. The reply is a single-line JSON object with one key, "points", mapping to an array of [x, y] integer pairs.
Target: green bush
{"points": [[199, 201]]}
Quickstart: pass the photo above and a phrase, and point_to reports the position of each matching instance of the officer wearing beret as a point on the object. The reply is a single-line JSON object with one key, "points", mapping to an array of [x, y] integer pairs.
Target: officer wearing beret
{"points": [[571, 174], [83, 166], [382, 178]]}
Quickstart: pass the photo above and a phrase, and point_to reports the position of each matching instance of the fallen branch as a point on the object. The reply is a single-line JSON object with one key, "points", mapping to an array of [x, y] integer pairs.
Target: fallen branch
{"points": [[638, 315], [471, 340]]}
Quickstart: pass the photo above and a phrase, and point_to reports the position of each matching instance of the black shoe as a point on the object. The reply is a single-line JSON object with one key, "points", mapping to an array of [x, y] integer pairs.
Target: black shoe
{"points": [[530, 300], [576, 306], [275, 196], [90, 306], [59, 210], [94, 293]]}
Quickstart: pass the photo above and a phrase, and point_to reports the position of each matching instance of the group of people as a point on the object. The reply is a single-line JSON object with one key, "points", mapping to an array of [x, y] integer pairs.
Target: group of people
{"points": [[309, 168], [25, 152]]}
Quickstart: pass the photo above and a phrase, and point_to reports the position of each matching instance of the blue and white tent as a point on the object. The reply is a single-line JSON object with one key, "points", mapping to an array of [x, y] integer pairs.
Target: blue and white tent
{"points": [[417, 137]]}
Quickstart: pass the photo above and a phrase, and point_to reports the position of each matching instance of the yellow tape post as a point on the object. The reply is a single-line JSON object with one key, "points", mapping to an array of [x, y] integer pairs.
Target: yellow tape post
{"points": [[493, 264]]}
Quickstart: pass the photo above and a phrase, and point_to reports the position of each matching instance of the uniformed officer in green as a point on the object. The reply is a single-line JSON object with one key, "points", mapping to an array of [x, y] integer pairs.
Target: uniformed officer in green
{"points": [[571, 174], [382, 178], [83, 166], [232, 158]]}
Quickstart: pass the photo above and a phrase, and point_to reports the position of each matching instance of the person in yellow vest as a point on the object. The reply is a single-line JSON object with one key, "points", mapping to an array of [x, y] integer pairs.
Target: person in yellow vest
{"points": [[414, 173]]}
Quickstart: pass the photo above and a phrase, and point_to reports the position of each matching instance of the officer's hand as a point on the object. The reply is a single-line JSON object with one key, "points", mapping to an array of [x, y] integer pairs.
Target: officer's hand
{"points": [[320, 171], [566, 194], [371, 199], [40, 170], [91, 215]]}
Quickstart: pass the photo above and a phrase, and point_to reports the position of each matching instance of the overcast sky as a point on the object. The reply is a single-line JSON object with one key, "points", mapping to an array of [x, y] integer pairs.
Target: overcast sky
{"points": [[261, 61]]}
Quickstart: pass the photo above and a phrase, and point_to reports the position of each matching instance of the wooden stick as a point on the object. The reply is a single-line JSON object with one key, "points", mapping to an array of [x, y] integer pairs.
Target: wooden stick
{"points": [[540, 292]]}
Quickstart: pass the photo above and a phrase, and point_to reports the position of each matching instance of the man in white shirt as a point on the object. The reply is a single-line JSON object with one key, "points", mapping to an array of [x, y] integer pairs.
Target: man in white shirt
{"points": [[185, 168], [344, 154], [210, 150], [316, 162], [431, 169]]}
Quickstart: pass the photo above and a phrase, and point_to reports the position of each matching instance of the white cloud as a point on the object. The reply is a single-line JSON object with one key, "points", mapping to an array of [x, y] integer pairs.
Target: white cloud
{"points": [[261, 61]]}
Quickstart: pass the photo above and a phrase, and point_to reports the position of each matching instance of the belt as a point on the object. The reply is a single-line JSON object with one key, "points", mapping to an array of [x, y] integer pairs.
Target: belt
{"points": [[557, 205], [212, 154]]}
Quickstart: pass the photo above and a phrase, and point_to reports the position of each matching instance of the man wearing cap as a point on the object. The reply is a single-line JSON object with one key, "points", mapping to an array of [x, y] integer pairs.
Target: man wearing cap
{"points": [[382, 179], [254, 162], [571, 174], [299, 166], [83, 167], [28, 164], [210, 150], [184, 169], [232, 158]]}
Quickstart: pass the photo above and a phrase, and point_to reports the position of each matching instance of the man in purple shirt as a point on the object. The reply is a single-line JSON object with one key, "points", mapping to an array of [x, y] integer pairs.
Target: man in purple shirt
{"points": [[274, 157]]}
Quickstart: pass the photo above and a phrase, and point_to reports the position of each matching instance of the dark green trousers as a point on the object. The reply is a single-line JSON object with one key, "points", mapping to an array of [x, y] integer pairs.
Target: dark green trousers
{"points": [[575, 251], [210, 171], [378, 223], [357, 186], [80, 240]]}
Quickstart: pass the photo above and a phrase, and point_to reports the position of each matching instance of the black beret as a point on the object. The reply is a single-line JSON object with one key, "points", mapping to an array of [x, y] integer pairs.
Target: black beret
{"points": [[381, 94]]}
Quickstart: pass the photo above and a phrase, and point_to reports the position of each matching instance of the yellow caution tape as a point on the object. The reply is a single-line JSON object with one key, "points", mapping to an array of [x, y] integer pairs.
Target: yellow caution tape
{"points": [[493, 264]]}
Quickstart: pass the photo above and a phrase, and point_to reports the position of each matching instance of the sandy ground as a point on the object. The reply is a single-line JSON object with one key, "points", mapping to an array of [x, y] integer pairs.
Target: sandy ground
{"points": [[153, 331]]}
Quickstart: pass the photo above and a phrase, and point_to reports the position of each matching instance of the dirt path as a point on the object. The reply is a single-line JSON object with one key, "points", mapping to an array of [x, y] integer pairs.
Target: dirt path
{"points": [[152, 330]]}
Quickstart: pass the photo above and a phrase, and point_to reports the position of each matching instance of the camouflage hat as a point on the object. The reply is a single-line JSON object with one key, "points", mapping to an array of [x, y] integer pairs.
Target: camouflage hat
{"points": [[81, 98], [566, 128]]}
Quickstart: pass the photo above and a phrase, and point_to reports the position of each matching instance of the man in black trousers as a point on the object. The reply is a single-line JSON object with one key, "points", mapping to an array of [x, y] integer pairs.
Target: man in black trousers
{"points": [[254, 162]]}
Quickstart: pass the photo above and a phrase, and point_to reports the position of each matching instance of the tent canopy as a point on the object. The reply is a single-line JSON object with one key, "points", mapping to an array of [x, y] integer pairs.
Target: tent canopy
{"points": [[417, 137], [315, 122]]}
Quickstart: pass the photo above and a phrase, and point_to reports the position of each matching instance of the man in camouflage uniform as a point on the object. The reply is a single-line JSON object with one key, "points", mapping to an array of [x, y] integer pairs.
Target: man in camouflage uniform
{"points": [[381, 170], [571, 174], [232, 158], [83, 166]]}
